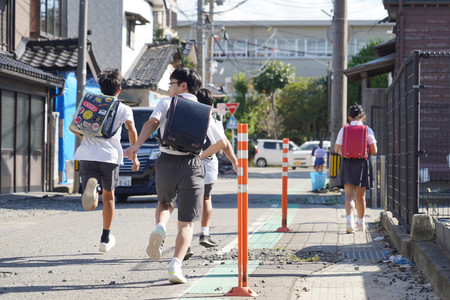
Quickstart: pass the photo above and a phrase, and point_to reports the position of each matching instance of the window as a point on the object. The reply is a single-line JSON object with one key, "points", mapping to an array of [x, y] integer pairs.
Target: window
{"points": [[50, 17], [130, 33], [270, 145], [133, 19], [316, 47]]}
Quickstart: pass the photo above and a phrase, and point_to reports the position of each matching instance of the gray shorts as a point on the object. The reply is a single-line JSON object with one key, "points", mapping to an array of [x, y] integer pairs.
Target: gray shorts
{"points": [[208, 188], [180, 179], [106, 173]]}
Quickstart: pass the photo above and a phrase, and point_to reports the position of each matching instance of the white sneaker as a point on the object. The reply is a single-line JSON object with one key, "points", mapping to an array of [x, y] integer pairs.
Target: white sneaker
{"points": [[350, 227], [155, 244], [176, 275], [362, 227], [89, 198], [105, 247]]}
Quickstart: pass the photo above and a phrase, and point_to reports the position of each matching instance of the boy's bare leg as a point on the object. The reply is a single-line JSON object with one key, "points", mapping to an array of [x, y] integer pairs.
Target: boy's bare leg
{"points": [[108, 209], [184, 238], [162, 213], [207, 212]]}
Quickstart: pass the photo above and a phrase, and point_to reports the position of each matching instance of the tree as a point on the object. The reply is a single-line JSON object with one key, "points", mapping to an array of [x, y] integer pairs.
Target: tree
{"points": [[364, 55], [304, 107], [275, 77], [245, 113]]}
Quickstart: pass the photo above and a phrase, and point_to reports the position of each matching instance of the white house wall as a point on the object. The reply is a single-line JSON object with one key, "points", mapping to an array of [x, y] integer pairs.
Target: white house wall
{"points": [[143, 33]]}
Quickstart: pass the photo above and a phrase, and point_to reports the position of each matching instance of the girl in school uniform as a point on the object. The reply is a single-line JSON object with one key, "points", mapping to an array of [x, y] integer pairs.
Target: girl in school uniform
{"points": [[355, 175]]}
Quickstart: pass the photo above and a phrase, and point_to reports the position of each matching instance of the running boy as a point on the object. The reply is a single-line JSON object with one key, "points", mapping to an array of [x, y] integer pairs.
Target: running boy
{"points": [[100, 158], [179, 175]]}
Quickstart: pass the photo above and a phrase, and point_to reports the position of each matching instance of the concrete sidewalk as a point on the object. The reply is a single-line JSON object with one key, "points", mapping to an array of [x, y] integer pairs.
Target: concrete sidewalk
{"points": [[322, 261]]}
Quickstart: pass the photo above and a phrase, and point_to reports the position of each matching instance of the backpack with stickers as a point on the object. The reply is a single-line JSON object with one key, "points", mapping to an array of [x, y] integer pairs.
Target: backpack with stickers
{"points": [[186, 126], [354, 142], [95, 115]]}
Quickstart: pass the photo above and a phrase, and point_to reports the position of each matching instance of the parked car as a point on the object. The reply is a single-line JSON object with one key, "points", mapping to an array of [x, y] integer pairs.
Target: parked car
{"points": [[270, 152], [303, 157], [140, 182]]}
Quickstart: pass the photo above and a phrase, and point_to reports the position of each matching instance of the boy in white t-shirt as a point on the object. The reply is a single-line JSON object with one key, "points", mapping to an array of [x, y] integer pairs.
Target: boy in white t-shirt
{"points": [[179, 175], [100, 158]]}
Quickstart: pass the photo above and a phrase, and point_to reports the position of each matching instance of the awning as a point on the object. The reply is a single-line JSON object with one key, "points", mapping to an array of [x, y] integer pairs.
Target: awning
{"points": [[373, 68]]}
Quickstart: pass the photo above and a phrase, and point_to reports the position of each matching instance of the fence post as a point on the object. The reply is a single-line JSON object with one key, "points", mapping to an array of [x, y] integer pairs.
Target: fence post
{"points": [[242, 289], [284, 196]]}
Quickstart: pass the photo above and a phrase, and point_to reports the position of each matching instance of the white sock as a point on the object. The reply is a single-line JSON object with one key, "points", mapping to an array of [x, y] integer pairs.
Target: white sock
{"points": [[161, 226], [350, 219], [204, 230], [175, 263], [361, 221]]}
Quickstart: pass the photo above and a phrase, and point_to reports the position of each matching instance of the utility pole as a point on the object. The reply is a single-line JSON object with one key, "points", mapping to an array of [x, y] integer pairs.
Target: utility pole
{"points": [[339, 64], [81, 72], [209, 71], [200, 42]]}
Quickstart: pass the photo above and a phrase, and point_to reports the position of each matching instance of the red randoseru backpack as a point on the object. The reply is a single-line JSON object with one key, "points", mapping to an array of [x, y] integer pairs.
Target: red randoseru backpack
{"points": [[354, 142]]}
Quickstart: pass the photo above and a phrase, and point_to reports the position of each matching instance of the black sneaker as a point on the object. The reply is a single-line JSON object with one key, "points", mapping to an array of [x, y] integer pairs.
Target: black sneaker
{"points": [[188, 254], [206, 241]]}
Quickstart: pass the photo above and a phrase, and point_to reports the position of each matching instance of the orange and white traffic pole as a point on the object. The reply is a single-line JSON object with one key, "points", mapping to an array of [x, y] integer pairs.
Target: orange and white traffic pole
{"points": [[242, 289], [284, 196]]}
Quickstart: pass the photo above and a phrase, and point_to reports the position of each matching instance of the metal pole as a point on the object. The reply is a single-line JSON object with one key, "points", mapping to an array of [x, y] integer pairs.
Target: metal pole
{"points": [[339, 63], [200, 42], [81, 72], [210, 53]]}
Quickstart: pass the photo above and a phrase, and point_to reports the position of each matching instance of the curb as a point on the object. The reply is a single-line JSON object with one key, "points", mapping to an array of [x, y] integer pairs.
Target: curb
{"points": [[428, 256]]}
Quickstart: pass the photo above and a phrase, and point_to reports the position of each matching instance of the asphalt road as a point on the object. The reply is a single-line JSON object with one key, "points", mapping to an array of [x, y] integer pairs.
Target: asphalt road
{"points": [[49, 246]]}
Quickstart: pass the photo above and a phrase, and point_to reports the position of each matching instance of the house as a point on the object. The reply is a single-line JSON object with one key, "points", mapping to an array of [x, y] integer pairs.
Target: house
{"points": [[27, 100], [147, 80]]}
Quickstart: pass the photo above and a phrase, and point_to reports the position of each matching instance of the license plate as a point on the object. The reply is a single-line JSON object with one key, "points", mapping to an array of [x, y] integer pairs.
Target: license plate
{"points": [[298, 162], [124, 180]]}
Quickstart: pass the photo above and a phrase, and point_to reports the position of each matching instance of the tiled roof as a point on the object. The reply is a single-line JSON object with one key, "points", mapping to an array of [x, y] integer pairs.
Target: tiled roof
{"points": [[61, 54], [150, 65], [7, 62]]}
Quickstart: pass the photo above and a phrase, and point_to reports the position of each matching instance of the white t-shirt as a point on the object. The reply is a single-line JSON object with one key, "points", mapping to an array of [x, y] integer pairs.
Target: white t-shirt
{"points": [[106, 150], [160, 113], [370, 135], [212, 164]]}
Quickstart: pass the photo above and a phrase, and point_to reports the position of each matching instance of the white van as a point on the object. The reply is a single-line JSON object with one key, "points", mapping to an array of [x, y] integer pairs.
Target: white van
{"points": [[303, 156], [270, 152]]}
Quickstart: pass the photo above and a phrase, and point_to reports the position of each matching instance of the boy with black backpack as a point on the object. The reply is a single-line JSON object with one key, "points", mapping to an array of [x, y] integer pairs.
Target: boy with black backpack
{"points": [[100, 158], [179, 175]]}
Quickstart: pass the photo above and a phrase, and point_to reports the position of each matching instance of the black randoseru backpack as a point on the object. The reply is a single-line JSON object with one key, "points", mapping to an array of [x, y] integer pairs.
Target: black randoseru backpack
{"points": [[186, 125]]}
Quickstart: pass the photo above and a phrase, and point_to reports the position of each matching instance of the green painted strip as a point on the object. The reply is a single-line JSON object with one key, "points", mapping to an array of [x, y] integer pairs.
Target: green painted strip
{"points": [[222, 278], [267, 236], [225, 276]]}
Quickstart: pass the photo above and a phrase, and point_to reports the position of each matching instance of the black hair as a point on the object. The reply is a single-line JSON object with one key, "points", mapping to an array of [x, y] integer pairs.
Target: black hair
{"points": [[205, 96], [110, 81], [356, 112], [190, 77]]}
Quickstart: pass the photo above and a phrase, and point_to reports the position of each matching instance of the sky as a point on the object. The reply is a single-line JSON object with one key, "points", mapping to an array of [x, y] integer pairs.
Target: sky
{"points": [[245, 10]]}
